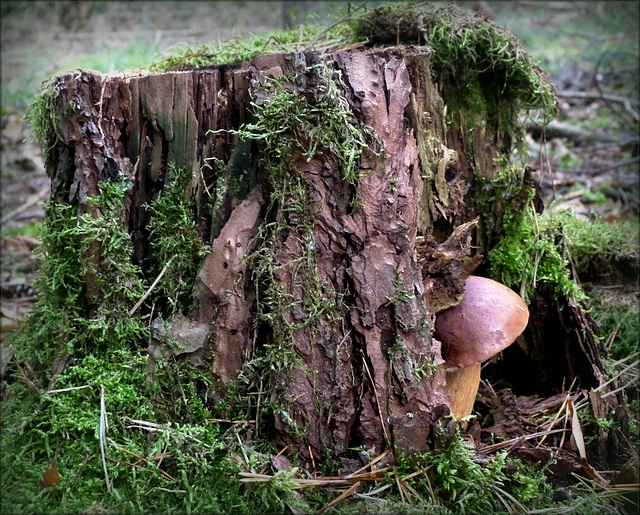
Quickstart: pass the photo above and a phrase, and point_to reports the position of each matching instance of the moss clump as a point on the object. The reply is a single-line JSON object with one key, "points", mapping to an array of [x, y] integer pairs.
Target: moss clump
{"points": [[598, 248], [484, 72], [66, 257], [456, 482], [153, 466], [532, 254], [174, 238], [317, 37], [554, 248], [526, 249], [41, 117], [288, 122], [162, 453]]}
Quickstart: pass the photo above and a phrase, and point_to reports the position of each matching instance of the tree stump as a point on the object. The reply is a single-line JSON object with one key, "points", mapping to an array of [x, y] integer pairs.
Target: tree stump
{"points": [[330, 205]]}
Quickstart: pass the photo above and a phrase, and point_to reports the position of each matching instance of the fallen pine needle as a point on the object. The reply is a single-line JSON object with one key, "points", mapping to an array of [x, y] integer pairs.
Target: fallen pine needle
{"points": [[413, 490], [144, 297], [353, 489], [378, 475], [146, 462], [68, 389], [104, 425], [513, 441], [375, 391], [370, 464], [229, 421]]}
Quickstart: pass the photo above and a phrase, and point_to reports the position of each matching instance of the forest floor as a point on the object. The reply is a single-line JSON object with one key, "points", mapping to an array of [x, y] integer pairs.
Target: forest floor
{"points": [[587, 163]]}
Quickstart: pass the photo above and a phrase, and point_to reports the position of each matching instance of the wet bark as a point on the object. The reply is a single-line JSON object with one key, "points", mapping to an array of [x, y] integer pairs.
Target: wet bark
{"points": [[366, 372]]}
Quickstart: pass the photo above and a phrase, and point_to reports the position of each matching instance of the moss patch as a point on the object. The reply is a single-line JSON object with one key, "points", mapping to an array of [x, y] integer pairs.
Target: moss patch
{"points": [[317, 37], [600, 249], [174, 241], [41, 117], [554, 248], [65, 256], [532, 254], [163, 453], [484, 72], [526, 251]]}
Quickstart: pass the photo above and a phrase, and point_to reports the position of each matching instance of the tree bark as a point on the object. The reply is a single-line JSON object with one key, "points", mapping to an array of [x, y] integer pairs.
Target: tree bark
{"points": [[383, 255]]}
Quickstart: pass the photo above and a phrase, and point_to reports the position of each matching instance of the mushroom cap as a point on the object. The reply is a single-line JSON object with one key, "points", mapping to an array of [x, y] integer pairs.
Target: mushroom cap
{"points": [[488, 319]]}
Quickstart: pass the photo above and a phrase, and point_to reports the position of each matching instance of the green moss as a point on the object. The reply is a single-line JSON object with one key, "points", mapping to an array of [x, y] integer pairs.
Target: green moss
{"points": [[184, 56], [555, 248], [150, 412], [484, 73], [197, 474], [40, 115], [454, 481], [599, 248], [287, 121], [66, 259], [524, 249], [617, 313], [173, 238], [531, 255]]}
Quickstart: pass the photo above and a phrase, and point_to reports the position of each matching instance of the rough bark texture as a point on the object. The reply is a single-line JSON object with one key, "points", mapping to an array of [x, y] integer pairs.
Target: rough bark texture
{"points": [[369, 372]]}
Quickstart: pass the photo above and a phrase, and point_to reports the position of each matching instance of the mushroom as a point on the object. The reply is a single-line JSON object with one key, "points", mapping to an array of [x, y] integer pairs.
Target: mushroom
{"points": [[488, 319]]}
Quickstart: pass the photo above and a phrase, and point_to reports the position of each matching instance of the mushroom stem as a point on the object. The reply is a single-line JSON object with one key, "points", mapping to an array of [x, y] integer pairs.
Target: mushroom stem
{"points": [[462, 388]]}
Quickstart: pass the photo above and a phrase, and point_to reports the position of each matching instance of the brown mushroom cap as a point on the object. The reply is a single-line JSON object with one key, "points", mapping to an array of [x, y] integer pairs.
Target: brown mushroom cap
{"points": [[489, 319]]}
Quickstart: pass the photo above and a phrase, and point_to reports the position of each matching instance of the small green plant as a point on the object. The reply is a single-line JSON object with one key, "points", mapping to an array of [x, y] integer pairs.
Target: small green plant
{"points": [[288, 122]]}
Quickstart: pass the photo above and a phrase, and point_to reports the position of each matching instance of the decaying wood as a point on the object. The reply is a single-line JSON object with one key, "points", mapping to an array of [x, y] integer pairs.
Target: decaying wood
{"points": [[372, 375]]}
